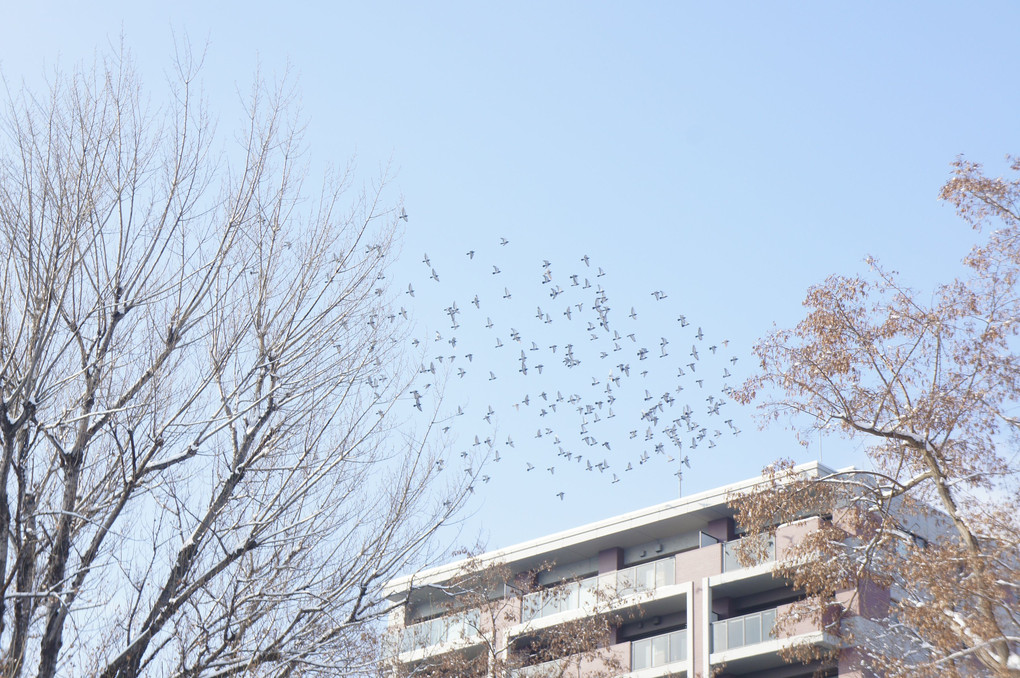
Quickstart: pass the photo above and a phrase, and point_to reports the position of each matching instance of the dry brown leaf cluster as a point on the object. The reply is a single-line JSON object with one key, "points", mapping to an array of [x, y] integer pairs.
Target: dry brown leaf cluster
{"points": [[922, 550]]}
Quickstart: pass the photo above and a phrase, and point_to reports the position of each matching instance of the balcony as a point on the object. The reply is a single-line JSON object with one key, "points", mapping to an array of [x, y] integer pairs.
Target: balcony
{"points": [[658, 651], [748, 629], [752, 643], [662, 655], [550, 668], [453, 629], [730, 561], [584, 594]]}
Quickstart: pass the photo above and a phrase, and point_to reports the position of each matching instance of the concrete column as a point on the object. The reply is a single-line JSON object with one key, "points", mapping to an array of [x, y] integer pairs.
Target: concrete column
{"points": [[610, 560], [722, 607], [722, 529], [696, 566]]}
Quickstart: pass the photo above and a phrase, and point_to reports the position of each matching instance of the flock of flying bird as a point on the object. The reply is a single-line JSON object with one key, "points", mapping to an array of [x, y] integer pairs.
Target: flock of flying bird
{"points": [[561, 377]]}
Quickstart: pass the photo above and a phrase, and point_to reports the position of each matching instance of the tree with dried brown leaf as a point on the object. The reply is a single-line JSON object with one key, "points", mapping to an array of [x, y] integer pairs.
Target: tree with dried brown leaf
{"points": [[921, 552], [199, 471]]}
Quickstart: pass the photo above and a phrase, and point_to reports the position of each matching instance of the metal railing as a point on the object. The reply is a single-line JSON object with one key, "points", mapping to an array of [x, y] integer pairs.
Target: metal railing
{"points": [[448, 629], [748, 629], [731, 562], [658, 650], [585, 593]]}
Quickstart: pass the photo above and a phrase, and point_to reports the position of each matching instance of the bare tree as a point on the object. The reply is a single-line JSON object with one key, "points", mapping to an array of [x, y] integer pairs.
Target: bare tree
{"points": [[487, 617], [932, 387], [201, 473]]}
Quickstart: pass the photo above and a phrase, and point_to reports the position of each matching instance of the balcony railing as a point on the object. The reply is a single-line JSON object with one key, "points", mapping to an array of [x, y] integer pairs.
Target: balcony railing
{"points": [[658, 650], [741, 631], [584, 594], [449, 629], [731, 562], [549, 668]]}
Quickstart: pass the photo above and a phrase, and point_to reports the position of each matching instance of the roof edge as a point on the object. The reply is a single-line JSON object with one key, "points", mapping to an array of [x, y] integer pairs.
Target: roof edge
{"points": [[700, 501]]}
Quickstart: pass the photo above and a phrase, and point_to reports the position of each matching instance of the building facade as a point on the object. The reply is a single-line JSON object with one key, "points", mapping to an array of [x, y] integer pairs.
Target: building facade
{"points": [[680, 600]]}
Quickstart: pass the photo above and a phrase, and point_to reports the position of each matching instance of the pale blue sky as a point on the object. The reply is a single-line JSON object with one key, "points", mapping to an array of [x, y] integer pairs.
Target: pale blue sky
{"points": [[729, 154]]}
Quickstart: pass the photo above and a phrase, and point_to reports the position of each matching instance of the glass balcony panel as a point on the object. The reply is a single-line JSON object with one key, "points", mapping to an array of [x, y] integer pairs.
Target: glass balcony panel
{"points": [[532, 606], [665, 572], [678, 646], [607, 583], [644, 577], [625, 584], [447, 629], [423, 634], [542, 670], [719, 636], [568, 597], [407, 642], [732, 562], [571, 597], [437, 632], [454, 629], [660, 650], [463, 625], [735, 632], [768, 622], [641, 654], [586, 593], [550, 603], [752, 629], [741, 631]]}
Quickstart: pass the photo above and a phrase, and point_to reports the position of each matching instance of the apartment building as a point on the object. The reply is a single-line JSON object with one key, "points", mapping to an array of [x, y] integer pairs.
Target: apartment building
{"points": [[682, 602]]}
